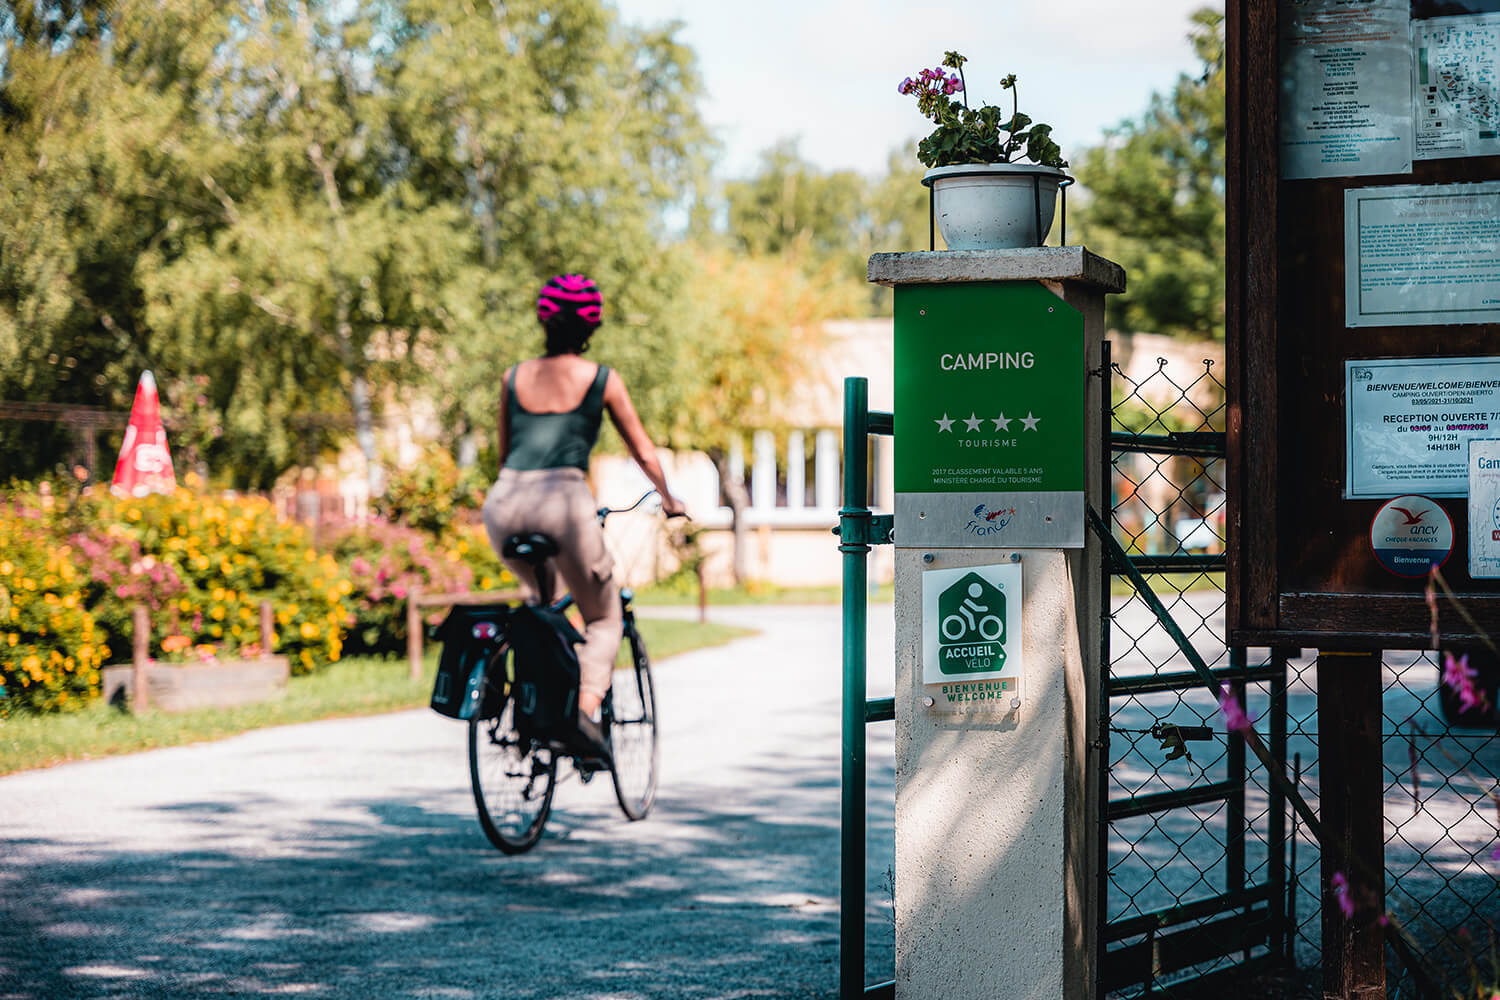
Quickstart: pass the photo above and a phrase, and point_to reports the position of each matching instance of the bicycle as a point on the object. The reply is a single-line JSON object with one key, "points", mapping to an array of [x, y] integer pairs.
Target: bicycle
{"points": [[514, 778]]}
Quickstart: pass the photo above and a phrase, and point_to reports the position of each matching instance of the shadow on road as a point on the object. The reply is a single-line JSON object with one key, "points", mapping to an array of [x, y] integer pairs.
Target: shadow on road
{"points": [[715, 895]]}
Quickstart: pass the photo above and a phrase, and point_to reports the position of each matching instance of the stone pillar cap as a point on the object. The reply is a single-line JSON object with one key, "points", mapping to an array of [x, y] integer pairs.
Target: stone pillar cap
{"points": [[926, 267]]}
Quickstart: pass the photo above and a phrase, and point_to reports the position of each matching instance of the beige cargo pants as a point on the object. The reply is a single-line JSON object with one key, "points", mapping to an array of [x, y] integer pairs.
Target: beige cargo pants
{"points": [[557, 502]]}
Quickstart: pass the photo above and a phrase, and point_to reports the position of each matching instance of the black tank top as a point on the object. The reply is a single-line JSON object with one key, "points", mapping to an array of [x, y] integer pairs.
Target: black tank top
{"points": [[554, 440]]}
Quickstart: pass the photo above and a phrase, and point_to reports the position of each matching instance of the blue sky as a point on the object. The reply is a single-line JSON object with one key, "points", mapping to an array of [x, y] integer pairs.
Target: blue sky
{"points": [[825, 71]]}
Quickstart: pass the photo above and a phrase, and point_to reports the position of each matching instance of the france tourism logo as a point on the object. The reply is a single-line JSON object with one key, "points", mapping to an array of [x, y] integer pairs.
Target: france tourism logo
{"points": [[989, 522]]}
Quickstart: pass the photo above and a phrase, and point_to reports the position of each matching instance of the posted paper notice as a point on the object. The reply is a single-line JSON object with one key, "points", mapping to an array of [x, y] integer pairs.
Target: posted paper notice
{"points": [[1409, 421], [1484, 509], [1456, 82], [1422, 254], [1346, 88]]}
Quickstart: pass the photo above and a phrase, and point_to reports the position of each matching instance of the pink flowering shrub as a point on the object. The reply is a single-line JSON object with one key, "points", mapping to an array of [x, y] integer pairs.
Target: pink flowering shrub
{"points": [[383, 562], [205, 565]]}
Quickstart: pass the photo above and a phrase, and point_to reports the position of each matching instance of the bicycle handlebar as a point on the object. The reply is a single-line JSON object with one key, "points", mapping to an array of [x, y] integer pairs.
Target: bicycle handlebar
{"points": [[604, 512]]}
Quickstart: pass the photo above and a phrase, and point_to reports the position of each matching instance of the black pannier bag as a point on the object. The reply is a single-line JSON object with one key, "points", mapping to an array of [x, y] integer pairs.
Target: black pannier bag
{"points": [[544, 672], [471, 636]]}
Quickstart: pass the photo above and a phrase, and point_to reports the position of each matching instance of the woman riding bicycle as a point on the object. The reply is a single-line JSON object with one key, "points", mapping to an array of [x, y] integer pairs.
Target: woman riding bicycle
{"points": [[550, 411]]}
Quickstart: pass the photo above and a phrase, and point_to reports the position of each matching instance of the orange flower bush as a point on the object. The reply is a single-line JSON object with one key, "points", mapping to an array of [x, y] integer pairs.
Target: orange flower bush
{"points": [[229, 555], [50, 646]]}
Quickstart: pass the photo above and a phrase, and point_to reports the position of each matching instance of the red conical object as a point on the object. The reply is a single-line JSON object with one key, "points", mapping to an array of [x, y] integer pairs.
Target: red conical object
{"points": [[145, 464]]}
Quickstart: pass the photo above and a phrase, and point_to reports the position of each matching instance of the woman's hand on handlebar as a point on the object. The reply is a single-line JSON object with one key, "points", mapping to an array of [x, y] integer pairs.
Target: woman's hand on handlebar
{"points": [[672, 507]]}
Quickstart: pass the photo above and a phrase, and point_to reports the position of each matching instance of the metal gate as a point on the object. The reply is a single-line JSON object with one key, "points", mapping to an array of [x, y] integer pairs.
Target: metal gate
{"points": [[1192, 883], [1210, 881]]}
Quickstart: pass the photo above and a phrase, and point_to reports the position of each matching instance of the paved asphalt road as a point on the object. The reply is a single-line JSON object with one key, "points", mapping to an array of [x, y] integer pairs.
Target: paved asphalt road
{"points": [[342, 859]]}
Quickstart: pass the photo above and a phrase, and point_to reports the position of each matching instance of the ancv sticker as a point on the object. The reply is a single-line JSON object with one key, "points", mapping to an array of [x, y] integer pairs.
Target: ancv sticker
{"points": [[1411, 534]]}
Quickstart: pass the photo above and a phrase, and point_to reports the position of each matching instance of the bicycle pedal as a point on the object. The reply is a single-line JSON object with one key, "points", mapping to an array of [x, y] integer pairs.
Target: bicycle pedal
{"points": [[588, 767]]}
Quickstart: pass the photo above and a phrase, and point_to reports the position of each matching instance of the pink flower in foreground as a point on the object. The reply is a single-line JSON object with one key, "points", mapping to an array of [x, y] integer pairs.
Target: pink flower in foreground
{"points": [[1459, 677], [1235, 719], [1432, 605], [1341, 894]]}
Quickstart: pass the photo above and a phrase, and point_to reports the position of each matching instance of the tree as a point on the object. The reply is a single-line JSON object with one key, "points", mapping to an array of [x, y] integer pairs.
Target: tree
{"points": [[759, 321], [1156, 200], [838, 217], [563, 138], [324, 264], [316, 206], [93, 109]]}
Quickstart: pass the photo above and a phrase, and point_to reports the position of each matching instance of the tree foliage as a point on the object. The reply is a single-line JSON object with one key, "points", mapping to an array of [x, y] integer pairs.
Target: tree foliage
{"points": [[318, 206], [830, 221], [1156, 200]]}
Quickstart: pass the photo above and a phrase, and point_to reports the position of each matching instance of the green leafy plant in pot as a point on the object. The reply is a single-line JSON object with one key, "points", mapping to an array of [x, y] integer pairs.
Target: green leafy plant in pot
{"points": [[984, 197]]}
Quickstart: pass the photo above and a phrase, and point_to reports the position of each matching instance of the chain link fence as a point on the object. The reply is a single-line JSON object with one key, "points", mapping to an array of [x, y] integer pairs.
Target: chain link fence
{"points": [[1211, 884]]}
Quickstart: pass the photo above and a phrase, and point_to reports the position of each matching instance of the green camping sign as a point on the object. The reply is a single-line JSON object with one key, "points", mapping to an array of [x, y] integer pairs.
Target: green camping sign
{"points": [[971, 623], [990, 416]]}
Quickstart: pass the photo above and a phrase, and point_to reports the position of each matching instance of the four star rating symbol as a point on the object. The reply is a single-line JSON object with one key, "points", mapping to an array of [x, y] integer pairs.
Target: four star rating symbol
{"points": [[973, 420]]}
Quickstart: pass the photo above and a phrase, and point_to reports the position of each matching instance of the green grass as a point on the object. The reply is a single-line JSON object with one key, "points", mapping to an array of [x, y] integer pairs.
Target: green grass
{"points": [[753, 593], [1169, 585], [361, 686]]}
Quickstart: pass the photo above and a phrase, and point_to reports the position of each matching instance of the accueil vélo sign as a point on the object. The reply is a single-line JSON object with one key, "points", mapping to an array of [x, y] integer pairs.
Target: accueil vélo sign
{"points": [[971, 631]]}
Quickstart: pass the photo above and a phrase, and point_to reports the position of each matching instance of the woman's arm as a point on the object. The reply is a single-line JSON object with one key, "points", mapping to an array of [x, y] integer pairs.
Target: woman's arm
{"points": [[503, 442], [628, 423]]}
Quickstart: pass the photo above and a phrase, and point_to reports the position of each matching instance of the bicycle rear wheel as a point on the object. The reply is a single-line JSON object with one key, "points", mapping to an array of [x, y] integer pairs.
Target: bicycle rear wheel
{"points": [[632, 703], [513, 782]]}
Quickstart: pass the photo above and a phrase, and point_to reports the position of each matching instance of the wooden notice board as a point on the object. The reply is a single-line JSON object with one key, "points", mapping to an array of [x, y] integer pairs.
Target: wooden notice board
{"points": [[1324, 217]]}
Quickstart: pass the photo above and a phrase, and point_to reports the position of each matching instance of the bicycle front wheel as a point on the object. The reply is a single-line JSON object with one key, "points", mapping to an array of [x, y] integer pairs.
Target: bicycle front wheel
{"points": [[513, 781], [633, 731]]}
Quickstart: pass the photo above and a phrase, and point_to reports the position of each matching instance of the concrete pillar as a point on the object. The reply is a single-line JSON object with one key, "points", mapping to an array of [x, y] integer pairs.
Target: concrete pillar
{"points": [[826, 470], [763, 472], [997, 794], [736, 459], [796, 472]]}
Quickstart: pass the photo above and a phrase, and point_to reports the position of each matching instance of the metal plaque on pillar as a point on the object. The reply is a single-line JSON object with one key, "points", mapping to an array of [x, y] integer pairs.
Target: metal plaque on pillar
{"points": [[989, 444]]}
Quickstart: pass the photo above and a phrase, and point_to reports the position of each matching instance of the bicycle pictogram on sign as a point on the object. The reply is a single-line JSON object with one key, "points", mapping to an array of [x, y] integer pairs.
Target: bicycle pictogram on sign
{"points": [[972, 633]]}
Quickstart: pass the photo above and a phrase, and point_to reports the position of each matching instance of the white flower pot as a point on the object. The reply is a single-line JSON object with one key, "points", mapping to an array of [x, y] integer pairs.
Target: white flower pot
{"points": [[994, 206]]}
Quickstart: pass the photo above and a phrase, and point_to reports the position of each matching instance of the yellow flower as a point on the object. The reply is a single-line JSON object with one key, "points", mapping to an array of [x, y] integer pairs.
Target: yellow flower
{"points": [[308, 630], [12, 638], [217, 612], [6, 569]]}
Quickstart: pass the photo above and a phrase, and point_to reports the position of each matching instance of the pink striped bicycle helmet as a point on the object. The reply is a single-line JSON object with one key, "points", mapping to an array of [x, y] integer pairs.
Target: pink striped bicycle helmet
{"points": [[573, 293]]}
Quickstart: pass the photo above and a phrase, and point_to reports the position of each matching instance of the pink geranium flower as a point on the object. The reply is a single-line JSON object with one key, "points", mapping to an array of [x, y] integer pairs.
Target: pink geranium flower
{"points": [[1235, 719], [1432, 604], [1458, 676], [1341, 894]]}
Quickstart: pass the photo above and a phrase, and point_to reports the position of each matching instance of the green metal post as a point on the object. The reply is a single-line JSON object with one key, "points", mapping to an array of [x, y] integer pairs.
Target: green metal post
{"points": [[854, 519]]}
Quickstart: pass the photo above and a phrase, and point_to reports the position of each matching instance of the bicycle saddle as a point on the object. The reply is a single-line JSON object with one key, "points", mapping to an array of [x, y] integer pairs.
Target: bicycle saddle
{"points": [[533, 548]]}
